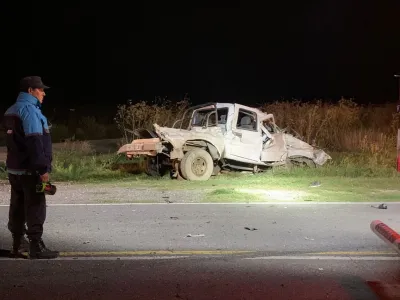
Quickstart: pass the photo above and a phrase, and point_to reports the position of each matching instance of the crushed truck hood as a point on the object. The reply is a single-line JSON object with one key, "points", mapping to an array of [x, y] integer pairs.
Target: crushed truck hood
{"points": [[297, 147]]}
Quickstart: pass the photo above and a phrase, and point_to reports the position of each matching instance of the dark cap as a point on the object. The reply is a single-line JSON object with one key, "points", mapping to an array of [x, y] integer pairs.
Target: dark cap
{"points": [[34, 82]]}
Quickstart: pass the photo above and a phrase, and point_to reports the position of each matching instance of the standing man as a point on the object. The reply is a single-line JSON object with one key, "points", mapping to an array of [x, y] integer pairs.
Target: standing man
{"points": [[29, 158]]}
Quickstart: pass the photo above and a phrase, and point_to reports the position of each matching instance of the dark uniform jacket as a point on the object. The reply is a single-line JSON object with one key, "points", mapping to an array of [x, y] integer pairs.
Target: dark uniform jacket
{"points": [[28, 140]]}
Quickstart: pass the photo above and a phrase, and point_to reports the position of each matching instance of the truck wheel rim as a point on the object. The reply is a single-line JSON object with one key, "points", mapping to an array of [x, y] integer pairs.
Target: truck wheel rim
{"points": [[199, 166]]}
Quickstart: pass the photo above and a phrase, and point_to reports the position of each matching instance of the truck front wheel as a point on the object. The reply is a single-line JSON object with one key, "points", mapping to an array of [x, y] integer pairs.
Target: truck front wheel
{"points": [[196, 164]]}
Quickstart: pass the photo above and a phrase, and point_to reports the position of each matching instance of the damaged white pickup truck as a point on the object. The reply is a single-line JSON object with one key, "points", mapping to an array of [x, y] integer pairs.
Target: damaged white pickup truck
{"points": [[218, 136]]}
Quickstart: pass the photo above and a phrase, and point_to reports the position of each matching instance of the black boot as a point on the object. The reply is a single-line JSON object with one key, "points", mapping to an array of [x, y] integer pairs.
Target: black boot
{"points": [[38, 250], [16, 245]]}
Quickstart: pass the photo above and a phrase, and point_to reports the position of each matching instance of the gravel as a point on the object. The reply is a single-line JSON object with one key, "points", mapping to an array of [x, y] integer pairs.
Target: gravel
{"points": [[68, 193]]}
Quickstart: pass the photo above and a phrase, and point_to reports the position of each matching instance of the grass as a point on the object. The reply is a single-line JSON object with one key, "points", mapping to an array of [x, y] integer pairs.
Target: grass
{"points": [[269, 187], [340, 181], [78, 162], [107, 168], [272, 187]]}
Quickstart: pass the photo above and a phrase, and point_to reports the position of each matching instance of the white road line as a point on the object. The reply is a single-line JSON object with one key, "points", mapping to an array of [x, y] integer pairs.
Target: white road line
{"points": [[87, 258], [283, 257], [323, 257], [204, 203]]}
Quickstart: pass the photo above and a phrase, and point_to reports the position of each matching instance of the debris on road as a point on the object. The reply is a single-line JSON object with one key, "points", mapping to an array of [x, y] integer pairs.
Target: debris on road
{"points": [[380, 206], [174, 218], [306, 238], [195, 235], [251, 229]]}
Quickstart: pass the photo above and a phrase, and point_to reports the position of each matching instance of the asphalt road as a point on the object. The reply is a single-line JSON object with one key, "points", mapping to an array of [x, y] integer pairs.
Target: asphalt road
{"points": [[192, 278], [280, 228], [303, 251]]}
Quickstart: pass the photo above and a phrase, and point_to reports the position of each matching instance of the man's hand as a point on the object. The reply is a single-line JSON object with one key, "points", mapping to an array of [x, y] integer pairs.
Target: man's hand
{"points": [[45, 177]]}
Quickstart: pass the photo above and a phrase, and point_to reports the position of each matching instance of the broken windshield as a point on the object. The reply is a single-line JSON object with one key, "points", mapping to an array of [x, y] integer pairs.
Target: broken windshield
{"points": [[200, 117]]}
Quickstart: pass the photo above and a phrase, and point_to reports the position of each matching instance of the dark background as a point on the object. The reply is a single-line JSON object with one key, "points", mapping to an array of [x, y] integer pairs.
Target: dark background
{"points": [[95, 56]]}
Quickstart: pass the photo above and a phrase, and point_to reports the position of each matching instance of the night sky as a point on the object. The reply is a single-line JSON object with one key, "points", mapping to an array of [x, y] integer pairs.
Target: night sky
{"points": [[98, 55]]}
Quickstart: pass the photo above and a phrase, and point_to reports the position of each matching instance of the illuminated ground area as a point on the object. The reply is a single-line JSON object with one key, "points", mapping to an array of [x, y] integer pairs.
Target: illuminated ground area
{"points": [[224, 189]]}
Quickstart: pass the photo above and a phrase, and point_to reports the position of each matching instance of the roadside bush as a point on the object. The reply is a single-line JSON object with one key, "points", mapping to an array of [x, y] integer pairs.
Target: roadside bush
{"points": [[144, 115], [345, 127]]}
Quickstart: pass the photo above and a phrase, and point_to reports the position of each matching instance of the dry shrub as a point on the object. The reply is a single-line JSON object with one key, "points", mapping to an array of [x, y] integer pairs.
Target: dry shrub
{"points": [[144, 115], [344, 126], [316, 123]]}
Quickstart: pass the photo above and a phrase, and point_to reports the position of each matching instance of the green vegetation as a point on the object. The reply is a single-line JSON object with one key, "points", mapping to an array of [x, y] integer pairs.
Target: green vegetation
{"points": [[268, 187], [353, 177]]}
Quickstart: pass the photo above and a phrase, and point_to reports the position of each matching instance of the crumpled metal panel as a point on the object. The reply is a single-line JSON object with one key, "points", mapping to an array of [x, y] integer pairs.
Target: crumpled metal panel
{"points": [[297, 147]]}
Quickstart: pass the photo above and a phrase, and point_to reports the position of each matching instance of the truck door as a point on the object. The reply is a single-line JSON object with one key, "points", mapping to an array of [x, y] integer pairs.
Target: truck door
{"points": [[246, 143]]}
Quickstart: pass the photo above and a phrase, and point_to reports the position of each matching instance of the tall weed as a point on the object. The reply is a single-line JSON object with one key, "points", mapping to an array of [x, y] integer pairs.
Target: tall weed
{"points": [[144, 115]]}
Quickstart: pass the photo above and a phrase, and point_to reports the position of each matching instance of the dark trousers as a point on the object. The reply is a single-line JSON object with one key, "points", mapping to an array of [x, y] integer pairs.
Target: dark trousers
{"points": [[26, 205]]}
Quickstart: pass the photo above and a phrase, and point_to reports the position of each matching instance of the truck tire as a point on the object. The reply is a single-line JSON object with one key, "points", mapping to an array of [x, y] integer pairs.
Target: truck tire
{"points": [[152, 169], [196, 164]]}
